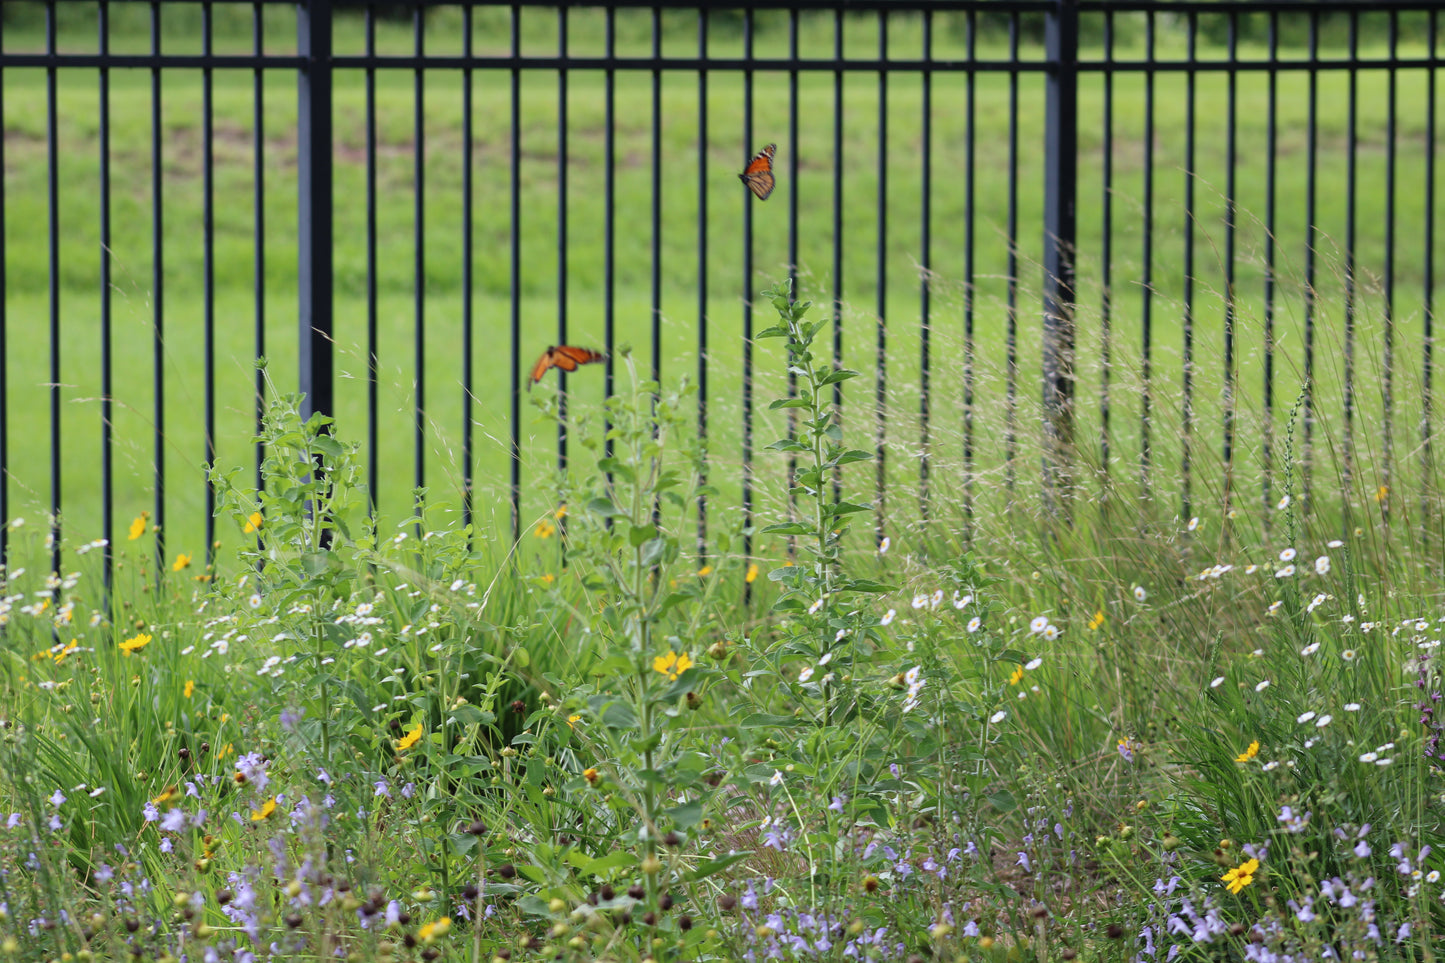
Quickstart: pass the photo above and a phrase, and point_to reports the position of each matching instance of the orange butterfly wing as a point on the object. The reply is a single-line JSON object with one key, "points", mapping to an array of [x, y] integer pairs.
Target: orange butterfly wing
{"points": [[758, 175], [566, 357]]}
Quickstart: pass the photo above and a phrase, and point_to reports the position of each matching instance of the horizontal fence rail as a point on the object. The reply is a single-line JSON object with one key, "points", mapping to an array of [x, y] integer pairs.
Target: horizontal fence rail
{"points": [[1179, 252]]}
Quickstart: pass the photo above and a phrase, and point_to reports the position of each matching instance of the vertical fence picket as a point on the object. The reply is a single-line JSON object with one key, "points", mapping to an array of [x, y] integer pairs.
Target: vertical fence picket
{"points": [[373, 359], [1106, 252], [52, 205], [880, 398], [314, 193], [1271, 161], [1187, 426], [563, 160], [925, 243], [1427, 346], [158, 292], [1011, 372], [5, 343], [418, 229], [467, 163], [258, 245], [107, 467], [702, 273], [208, 243], [1061, 153]]}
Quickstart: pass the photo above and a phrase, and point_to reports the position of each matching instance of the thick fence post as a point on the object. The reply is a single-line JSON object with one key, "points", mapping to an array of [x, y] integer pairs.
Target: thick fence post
{"points": [[1061, 146], [313, 262]]}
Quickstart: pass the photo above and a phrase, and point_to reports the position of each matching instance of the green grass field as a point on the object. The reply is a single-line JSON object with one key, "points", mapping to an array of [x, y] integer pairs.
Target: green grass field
{"points": [[723, 150]]}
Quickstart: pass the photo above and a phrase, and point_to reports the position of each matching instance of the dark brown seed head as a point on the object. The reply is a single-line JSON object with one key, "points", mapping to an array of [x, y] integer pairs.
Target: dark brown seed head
{"points": [[1114, 931], [664, 902], [636, 891], [506, 871], [292, 920], [726, 902]]}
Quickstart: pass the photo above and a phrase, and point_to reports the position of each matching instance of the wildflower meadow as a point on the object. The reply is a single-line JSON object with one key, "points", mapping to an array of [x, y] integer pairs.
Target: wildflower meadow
{"points": [[1209, 738]]}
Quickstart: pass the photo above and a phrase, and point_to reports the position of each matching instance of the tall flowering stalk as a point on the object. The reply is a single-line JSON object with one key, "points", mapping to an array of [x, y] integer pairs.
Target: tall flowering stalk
{"points": [[817, 593]]}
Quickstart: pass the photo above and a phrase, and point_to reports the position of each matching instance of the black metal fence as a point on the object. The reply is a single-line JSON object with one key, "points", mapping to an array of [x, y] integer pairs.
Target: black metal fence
{"points": [[1189, 212]]}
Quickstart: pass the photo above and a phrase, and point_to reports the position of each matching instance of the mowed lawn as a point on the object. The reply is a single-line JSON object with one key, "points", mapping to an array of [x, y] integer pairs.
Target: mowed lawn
{"points": [[881, 166]]}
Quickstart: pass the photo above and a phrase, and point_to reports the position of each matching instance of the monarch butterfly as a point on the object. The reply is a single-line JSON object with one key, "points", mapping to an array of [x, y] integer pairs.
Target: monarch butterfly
{"points": [[759, 173], [563, 356]]}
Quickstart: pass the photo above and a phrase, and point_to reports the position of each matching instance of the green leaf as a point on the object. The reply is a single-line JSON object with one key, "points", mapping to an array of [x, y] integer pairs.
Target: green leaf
{"points": [[618, 715], [603, 507], [470, 715], [688, 815], [847, 508], [639, 534], [788, 528], [853, 455], [329, 446], [1003, 801], [786, 445], [462, 843], [832, 377], [788, 403], [713, 866], [866, 585], [601, 866], [654, 551]]}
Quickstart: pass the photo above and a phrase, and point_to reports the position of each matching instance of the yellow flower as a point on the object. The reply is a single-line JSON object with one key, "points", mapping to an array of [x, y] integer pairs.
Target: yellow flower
{"points": [[165, 796], [548, 578], [1249, 753], [591, 775], [138, 527], [672, 665], [182, 561], [226, 750], [1382, 493], [1017, 676], [74, 643], [431, 931], [253, 523], [410, 739], [1240, 876], [139, 642], [572, 720], [561, 512], [705, 570], [752, 575], [544, 529], [1097, 620], [267, 808], [190, 687]]}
